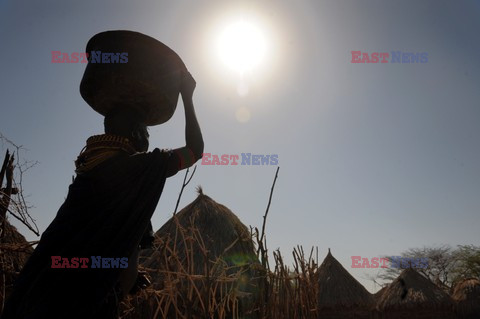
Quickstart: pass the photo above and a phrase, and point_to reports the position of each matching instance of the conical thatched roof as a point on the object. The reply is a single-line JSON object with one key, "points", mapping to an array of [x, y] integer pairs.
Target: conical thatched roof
{"points": [[16, 251], [213, 225], [338, 290], [414, 294], [203, 257], [378, 294], [467, 296]]}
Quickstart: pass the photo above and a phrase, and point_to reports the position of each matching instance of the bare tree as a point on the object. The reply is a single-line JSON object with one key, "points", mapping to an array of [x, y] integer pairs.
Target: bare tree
{"points": [[446, 265], [468, 262], [12, 201], [17, 205]]}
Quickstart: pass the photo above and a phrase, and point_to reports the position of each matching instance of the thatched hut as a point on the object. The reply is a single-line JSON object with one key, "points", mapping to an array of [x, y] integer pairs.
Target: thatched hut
{"points": [[15, 251], [466, 294], [339, 294], [204, 260], [412, 295], [378, 294]]}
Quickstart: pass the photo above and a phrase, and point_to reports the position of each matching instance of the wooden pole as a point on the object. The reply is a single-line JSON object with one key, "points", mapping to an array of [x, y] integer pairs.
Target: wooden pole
{"points": [[7, 171]]}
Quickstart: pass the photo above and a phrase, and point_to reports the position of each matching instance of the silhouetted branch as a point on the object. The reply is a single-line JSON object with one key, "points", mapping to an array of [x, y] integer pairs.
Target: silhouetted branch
{"points": [[183, 186], [262, 236], [17, 206]]}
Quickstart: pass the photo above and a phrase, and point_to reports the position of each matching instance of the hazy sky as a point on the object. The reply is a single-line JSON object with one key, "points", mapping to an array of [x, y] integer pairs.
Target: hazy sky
{"points": [[375, 158]]}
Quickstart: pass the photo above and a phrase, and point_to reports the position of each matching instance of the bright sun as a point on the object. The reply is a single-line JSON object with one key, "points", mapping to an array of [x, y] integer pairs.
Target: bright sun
{"points": [[241, 46]]}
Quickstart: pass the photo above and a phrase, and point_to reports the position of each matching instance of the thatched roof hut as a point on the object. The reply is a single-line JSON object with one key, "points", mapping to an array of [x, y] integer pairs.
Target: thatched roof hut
{"points": [[15, 252], [467, 296], [203, 255], [412, 295], [205, 230], [339, 294], [378, 294]]}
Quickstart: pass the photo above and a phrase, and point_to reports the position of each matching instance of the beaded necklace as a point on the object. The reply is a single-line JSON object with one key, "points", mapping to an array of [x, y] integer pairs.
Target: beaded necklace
{"points": [[100, 148]]}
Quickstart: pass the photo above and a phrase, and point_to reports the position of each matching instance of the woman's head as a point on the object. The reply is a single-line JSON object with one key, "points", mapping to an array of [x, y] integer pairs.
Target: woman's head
{"points": [[128, 123]]}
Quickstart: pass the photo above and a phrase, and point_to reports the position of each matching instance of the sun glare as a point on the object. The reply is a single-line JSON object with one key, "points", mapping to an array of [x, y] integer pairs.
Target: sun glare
{"points": [[242, 46]]}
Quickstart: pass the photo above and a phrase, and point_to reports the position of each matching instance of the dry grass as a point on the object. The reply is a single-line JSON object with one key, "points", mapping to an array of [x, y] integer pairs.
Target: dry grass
{"points": [[292, 291], [188, 282], [185, 286]]}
